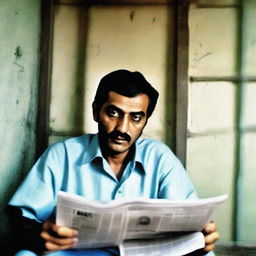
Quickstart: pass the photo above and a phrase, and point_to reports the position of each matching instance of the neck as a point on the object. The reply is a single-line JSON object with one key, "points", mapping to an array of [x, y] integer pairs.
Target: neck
{"points": [[118, 161]]}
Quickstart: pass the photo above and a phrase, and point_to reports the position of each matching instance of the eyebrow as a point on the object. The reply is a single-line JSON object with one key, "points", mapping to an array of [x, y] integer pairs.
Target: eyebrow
{"points": [[142, 113]]}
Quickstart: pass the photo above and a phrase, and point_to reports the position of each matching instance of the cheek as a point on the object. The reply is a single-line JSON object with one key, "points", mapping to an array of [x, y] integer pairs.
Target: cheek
{"points": [[137, 130], [108, 124]]}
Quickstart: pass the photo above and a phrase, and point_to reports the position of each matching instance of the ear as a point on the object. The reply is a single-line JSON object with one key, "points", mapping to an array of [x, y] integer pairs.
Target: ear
{"points": [[95, 111]]}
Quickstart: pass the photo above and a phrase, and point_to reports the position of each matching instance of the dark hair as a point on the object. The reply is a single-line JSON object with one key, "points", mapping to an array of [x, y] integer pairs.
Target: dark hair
{"points": [[126, 83]]}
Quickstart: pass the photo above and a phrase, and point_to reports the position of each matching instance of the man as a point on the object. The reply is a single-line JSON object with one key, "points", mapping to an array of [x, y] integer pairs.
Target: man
{"points": [[112, 164]]}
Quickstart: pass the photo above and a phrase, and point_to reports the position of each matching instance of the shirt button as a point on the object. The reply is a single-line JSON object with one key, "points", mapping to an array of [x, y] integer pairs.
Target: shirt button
{"points": [[119, 191]]}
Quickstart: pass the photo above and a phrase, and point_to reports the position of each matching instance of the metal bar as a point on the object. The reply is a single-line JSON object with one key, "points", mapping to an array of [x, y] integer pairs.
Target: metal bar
{"points": [[190, 134], [234, 79], [44, 76], [248, 129], [238, 122], [215, 4], [170, 77], [209, 133], [114, 2], [251, 129], [182, 54]]}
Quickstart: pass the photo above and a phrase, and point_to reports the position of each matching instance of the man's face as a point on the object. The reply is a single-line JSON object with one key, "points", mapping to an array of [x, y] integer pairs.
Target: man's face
{"points": [[121, 121]]}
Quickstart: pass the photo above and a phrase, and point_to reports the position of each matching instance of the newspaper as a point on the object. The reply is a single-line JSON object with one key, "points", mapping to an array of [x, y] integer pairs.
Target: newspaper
{"points": [[138, 226]]}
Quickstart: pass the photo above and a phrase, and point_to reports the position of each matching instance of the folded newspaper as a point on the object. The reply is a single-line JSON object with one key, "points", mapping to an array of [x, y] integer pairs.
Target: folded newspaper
{"points": [[151, 227]]}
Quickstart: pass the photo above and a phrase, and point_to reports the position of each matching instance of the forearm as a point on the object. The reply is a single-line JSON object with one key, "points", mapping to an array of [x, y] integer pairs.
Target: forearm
{"points": [[25, 232]]}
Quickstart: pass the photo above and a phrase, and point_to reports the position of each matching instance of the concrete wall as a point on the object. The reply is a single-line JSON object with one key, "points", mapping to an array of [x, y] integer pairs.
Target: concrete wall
{"points": [[19, 58], [211, 138], [222, 48], [90, 42]]}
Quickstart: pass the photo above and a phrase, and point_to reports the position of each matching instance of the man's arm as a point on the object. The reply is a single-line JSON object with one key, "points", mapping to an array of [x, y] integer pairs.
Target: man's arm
{"points": [[38, 237]]}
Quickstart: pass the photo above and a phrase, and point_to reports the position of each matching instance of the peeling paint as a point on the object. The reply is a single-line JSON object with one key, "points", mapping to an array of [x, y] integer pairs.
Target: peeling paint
{"points": [[18, 52], [131, 16], [20, 66], [203, 56], [52, 120], [19, 38]]}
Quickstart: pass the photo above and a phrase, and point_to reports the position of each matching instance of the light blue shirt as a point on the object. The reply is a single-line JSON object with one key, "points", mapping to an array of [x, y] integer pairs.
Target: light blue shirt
{"points": [[76, 165]]}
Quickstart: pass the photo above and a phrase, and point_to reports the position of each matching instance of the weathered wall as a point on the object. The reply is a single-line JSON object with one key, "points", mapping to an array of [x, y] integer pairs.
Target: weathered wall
{"points": [[19, 58], [98, 40], [210, 156], [222, 123], [89, 42]]}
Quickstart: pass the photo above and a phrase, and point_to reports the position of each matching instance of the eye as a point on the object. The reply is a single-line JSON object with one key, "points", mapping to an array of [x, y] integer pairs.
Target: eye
{"points": [[113, 113], [136, 118]]}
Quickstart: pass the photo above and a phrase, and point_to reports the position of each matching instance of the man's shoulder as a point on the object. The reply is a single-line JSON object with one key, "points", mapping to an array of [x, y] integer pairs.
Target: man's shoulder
{"points": [[154, 153], [82, 140], [153, 145], [72, 144], [72, 148]]}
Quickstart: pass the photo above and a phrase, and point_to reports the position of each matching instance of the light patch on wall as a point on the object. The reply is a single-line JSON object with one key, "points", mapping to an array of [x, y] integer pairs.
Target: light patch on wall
{"points": [[211, 107], [213, 42], [210, 164]]}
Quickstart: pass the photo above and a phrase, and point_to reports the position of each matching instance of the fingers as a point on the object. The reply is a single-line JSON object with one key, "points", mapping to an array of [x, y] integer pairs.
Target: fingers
{"points": [[58, 240], [54, 246], [210, 236], [209, 247], [59, 230], [210, 227], [58, 237]]}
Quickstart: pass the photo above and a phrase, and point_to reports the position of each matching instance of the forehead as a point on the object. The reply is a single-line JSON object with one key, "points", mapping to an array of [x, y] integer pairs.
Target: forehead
{"points": [[128, 104]]}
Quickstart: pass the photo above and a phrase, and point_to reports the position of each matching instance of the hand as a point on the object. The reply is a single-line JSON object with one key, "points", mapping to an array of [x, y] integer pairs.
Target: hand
{"points": [[58, 237], [210, 236]]}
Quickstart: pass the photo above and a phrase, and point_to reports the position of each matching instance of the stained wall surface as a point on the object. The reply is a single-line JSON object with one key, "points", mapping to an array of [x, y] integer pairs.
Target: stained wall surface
{"points": [[99, 39], [221, 118], [89, 42], [19, 59]]}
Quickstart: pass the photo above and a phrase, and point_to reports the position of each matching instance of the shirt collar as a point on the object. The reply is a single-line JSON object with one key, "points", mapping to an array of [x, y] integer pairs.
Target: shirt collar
{"points": [[95, 151], [138, 157], [92, 149]]}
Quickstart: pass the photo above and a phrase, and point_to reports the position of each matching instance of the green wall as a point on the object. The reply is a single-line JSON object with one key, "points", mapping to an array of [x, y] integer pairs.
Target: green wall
{"points": [[19, 69]]}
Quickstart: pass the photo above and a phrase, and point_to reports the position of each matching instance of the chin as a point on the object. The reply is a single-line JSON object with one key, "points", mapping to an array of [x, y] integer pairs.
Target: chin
{"points": [[118, 149]]}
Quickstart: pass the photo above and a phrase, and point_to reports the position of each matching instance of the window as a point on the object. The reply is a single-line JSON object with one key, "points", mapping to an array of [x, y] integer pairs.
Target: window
{"points": [[222, 121]]}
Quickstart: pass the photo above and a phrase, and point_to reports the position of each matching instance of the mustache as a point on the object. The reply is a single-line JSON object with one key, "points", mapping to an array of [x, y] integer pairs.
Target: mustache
{"points": [[116, 134]]}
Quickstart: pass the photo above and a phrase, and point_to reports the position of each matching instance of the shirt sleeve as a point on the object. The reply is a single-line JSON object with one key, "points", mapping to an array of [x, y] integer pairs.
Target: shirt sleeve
{"points": [[36, 196]]}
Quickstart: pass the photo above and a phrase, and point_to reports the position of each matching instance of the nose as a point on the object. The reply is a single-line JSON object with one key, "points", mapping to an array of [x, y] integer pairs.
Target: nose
{"points": [[123, 125]]}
